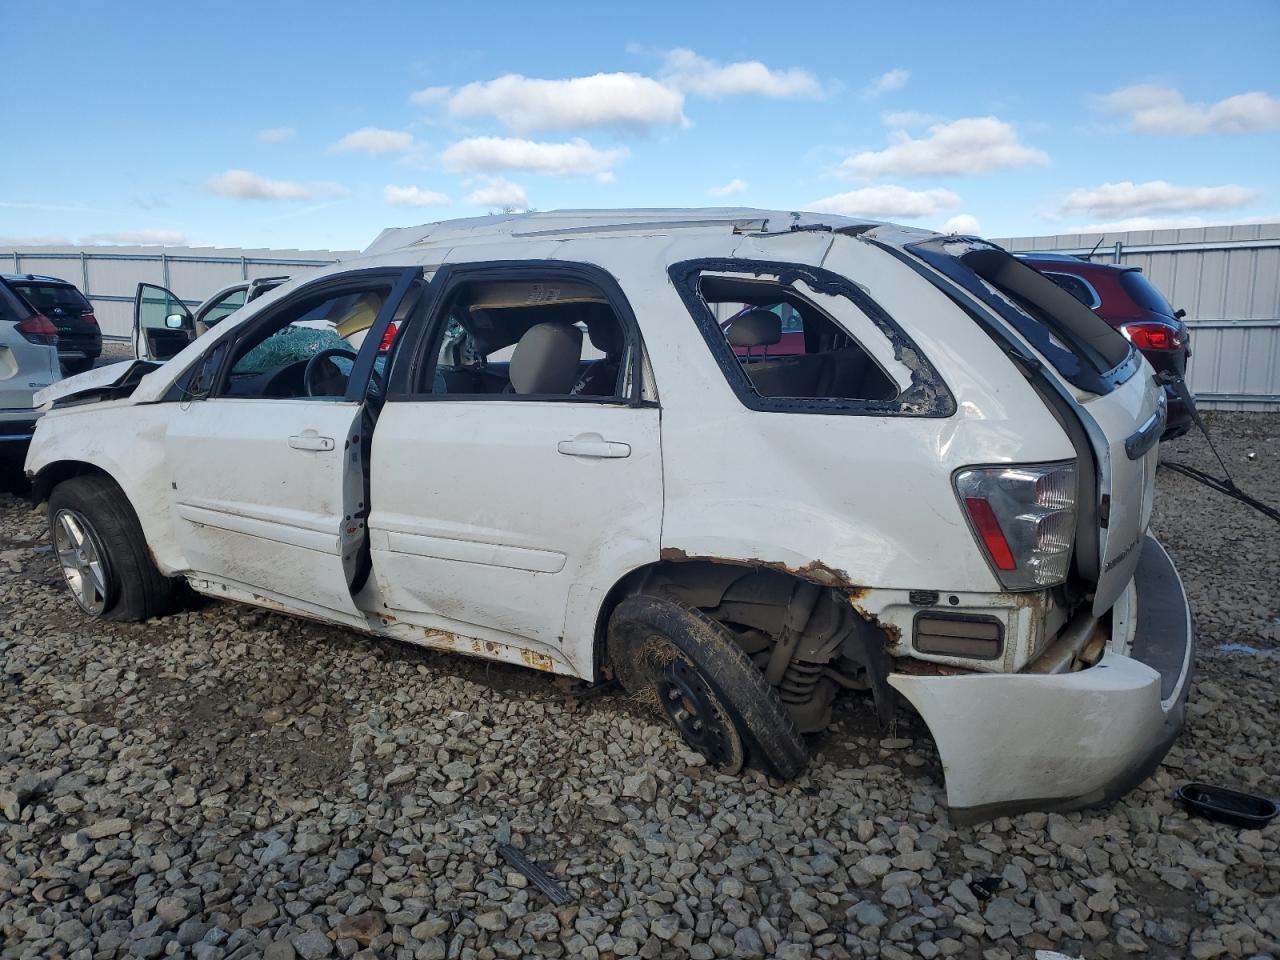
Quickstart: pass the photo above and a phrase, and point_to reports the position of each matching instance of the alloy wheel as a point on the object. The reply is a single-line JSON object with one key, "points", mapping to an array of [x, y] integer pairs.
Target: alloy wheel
{"points": [[83, 561]]}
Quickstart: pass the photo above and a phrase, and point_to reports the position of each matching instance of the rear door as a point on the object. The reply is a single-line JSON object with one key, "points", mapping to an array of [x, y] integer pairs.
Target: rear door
{"points": [[503, 508], [162, 324]]}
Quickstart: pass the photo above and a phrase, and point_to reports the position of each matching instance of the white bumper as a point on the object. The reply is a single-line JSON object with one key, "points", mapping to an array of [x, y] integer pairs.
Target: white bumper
{"points": [[1022, 741]]}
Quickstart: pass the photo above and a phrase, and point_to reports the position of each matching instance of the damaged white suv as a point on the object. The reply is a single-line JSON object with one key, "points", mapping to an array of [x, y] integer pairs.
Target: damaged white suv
{"points": [[741, 460]]}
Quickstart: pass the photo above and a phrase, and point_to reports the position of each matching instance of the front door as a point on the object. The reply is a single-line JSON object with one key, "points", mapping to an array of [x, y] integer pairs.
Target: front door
{"points": [[517, 465], [269, 471], [162, 324]]}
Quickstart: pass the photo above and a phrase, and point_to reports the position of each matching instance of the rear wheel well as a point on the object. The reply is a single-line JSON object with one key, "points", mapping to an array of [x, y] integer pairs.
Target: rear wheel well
{"points": [[52, 474], [802, 632]]}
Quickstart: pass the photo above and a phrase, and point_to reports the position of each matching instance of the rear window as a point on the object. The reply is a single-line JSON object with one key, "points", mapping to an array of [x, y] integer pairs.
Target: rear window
{"points": [[12, 308], [1082, 347], [1144, 293], [54, 298]]}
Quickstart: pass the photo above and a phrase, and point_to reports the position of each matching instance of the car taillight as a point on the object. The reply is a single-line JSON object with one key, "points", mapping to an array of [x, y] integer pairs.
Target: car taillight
{"points": [[1153, 335], [89, 318], [1024, 517], [38, 329], [388, 338]]}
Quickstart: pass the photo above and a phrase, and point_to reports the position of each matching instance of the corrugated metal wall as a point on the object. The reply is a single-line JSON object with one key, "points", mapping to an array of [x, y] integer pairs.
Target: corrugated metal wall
{"points": [[108, 276], [1227, 279]]}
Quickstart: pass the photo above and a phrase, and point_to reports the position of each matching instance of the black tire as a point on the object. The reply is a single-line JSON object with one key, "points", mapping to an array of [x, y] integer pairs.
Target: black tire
{"points": [[134, 588], [653, 638]]}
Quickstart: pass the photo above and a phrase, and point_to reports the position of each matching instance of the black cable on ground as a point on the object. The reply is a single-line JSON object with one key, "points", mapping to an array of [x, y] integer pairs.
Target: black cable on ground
{"points": [[1227, 486]]}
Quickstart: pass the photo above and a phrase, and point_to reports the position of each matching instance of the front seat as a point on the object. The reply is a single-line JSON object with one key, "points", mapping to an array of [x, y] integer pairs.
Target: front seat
{"points": [[600, 379], [546, 359]]}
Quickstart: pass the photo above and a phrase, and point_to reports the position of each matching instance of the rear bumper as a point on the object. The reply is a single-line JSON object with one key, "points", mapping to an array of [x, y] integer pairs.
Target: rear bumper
{"points": [[1016, 742], [1178, 420]]}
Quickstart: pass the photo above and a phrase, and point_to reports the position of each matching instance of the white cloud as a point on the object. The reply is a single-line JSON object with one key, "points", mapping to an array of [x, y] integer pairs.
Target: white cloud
{"points": [[374, 141], [276, 134], [140, 237], [1128, 199], [730, 189], [685, 70], [574, 158], [1166, 223], [965, 223], [524, 104], [500, 193], [1155, 109], [910, 118], [430, 95], [887, 201], [967, 146], [894, 79], [252, 186], [413, 197]]}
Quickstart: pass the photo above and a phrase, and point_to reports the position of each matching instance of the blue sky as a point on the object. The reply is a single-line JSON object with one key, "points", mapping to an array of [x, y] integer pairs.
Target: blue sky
{"points": [[316, 125]]}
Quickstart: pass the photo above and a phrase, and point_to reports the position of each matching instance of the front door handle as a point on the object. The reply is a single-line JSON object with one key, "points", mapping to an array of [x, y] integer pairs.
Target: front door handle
{"points": [[593, 446], [310, 440]]}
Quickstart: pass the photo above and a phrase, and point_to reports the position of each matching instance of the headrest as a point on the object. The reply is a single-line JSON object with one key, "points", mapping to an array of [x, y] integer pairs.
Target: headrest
{"points": [[755, 328], [546, 359], [605, 332], [357, 316]]}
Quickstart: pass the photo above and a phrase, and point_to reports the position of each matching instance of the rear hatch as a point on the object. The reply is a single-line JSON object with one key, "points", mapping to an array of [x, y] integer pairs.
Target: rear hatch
{"points": [[62, 303], [1089, 375]]}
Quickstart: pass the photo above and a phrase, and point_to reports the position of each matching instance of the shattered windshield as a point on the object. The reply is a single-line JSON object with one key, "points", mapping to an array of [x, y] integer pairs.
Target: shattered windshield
{"points": [[289, 344]]}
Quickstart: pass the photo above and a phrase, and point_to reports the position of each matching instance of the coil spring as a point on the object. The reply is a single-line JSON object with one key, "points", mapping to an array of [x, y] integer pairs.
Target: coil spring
{"points": [[799, 682]]}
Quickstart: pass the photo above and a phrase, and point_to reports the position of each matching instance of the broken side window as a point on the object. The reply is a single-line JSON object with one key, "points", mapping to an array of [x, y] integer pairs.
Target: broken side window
{"points": [[803, 339]]}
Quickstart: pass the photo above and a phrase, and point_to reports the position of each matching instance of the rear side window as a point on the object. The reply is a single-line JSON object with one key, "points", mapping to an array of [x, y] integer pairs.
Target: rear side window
{"points": [[800, 339], [1144, 293], [54, 299]]}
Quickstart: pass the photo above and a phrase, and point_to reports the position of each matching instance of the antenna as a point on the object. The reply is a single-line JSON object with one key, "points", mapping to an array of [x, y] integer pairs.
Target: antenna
{"points": [[1095, 247]]}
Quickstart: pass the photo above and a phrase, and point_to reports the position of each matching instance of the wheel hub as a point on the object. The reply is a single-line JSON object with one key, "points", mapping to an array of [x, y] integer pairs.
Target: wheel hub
{"points": [[689, 703], [83, 560]]}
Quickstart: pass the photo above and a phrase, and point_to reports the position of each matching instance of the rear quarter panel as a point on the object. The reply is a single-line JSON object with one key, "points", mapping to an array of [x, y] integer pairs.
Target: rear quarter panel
{"points": [[868, 496]]}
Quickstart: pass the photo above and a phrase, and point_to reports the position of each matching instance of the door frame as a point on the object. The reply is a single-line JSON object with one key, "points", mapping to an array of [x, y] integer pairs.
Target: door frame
{"points": [[417, 349]]}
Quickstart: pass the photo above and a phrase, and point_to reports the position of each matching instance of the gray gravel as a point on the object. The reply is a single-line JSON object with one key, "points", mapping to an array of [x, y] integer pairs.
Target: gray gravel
{"points": [[230, 783]]}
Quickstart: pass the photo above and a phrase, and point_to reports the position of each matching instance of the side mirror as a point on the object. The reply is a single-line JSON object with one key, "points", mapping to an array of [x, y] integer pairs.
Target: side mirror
{"points": [[175, 321], [1179, 314]]}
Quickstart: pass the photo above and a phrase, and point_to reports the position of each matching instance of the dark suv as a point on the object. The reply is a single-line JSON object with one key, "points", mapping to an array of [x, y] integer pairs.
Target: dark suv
{"points": [[79, 337], [1128, 301]]}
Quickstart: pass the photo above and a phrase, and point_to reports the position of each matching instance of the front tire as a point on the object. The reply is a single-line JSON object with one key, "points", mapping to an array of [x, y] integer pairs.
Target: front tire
{"points": [[679, 658], [103, 553]]}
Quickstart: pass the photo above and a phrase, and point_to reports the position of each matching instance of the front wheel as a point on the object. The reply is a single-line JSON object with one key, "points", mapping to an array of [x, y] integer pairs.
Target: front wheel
{"points": [[694, 669], [103, 553]]}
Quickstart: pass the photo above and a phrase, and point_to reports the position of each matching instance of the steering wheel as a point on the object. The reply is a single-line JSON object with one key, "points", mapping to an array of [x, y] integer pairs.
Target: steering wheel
{"points": [[317, 381]]}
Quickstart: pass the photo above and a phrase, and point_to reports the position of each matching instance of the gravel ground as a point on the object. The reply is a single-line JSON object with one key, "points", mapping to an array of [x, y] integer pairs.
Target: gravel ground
{"points": [[233, 783]]}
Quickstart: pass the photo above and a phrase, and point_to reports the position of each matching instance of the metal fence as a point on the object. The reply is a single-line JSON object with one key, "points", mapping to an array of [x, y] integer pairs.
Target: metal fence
{"points": [[109, 278], [1228, 281]]}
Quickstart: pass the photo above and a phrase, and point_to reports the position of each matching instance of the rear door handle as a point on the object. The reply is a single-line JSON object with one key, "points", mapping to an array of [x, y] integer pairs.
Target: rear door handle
{"points": [[593, 446], [310, 440]]}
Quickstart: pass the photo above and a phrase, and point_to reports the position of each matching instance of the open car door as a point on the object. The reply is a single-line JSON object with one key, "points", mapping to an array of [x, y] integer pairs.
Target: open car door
{"points": [[162, 324]]}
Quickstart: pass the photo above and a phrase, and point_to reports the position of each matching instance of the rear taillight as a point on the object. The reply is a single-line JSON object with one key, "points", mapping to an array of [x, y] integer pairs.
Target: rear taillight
{"points": [[89, 318], [1153, 335], [1025, 518], [388, 338], [38, 329]]}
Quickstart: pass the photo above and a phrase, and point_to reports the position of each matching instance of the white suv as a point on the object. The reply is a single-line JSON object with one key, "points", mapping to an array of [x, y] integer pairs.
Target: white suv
{"points": [[579, 453]]}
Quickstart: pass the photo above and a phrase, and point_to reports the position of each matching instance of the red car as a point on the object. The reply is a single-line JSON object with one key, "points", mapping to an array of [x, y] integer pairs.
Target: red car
{"points": [[1128, 301]]}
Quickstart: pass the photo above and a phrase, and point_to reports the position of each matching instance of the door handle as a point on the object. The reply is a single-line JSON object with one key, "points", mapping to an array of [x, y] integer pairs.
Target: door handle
{"points": [[310, 440], [593, 446]]}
